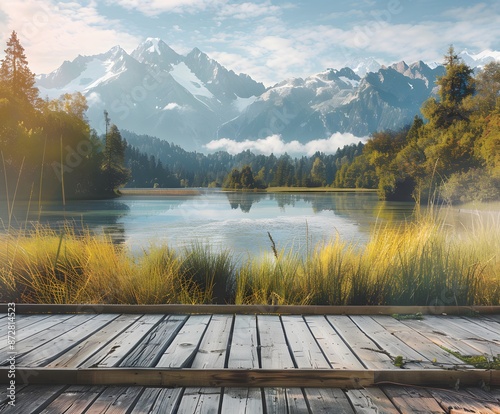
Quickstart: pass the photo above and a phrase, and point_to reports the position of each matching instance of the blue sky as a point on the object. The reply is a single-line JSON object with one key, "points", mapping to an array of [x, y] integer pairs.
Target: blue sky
{"points": [[269, 39]]}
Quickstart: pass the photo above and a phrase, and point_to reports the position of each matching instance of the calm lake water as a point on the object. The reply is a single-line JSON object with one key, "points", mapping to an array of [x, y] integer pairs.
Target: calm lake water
{"points": [[238, 221]]}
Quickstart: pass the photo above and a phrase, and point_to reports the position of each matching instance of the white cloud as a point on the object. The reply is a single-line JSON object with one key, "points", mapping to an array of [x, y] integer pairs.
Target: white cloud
{"points": [[156, 7], [52, 31], [275, 144], [244, 11], [175, 106]]}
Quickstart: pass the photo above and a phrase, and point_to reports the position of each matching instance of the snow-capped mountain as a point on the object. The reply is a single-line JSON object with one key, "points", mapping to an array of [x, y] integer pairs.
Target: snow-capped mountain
{"points": [[337, 101], [478, 60], [155, 91], [190, 100]]}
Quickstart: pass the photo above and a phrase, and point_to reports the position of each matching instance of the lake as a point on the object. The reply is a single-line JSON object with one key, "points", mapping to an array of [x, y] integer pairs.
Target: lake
{"points": [[234, 220]]}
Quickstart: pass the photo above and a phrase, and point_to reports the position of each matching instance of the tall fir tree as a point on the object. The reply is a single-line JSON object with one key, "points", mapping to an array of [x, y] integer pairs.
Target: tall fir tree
{"points": [[455, 86], [116, 175], [15, 73]]}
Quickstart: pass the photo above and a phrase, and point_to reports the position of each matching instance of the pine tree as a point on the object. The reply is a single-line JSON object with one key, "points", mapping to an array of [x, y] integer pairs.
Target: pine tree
{"points": [[456, 85], [113, 167], [15, 73]]}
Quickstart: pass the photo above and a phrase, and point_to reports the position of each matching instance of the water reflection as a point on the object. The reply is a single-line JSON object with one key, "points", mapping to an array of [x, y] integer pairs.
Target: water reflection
{"points": [[236, 220], [100, 216], [243, 201]]}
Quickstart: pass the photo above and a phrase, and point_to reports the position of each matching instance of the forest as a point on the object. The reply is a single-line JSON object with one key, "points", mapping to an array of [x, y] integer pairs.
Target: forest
{"points": [[452, 152], [453, 155], [48, 150]]}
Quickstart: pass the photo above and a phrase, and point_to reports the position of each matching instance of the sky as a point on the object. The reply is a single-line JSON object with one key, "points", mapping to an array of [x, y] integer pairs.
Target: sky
{"points": [[270, 40]]}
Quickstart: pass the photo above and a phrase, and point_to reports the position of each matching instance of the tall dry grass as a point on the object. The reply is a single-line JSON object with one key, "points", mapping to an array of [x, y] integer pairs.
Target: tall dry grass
{"points": [[425, 262]]}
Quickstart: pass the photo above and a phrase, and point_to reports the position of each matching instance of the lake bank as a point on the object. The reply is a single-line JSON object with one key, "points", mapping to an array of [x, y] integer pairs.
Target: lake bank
{"points": [[419, 263]]}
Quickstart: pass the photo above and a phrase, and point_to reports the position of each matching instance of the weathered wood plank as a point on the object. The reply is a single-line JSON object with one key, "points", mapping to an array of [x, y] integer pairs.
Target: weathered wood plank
{"points": [[30, 330], [25, 308], [158, 401], [274, 351], [150, 349], [275, 400], [491, 394], [243, 347], [114, 351], [183, 348], [443, 324], [365, 349], [371, 401], [23, 321], [413, 400], [196, 400], [33, 399], [285, 401], [74, 400], [487, 323], [476, 329], [296, 401], [78, 354], [242, 401], [213, 348], [53, 349], [289, 378], [463, 403], [116, 400], [440, 338], [495, 317], [339, 355], [53, 331], [328, 401], [419, 342], [388, 342], [304, 348]]}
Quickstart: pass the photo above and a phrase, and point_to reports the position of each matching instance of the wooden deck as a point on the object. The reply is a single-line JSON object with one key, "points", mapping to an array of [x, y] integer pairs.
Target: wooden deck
{"points": [[264, 360]]}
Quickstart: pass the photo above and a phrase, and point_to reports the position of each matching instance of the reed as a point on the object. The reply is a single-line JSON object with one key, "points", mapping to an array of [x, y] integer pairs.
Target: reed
{"points": [[420, 263]]}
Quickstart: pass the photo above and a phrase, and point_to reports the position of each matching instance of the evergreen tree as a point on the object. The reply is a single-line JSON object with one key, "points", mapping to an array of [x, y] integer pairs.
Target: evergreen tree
{"points": [[113, 167], [15, 73], [318, 172], [456, 85]]}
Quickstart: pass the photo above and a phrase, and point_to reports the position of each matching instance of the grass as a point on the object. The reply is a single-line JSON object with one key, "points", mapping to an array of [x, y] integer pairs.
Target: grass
{"points": [[477, 361], [419, 263]]}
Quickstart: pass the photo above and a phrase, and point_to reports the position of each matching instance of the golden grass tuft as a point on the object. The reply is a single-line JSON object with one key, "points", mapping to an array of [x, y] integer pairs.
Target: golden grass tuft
{"points": [[418, 263]]}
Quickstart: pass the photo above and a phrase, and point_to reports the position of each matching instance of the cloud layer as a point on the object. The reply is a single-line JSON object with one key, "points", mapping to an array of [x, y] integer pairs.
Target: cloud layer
{"points": [[274, 144], [53, 31], [270, 40]]}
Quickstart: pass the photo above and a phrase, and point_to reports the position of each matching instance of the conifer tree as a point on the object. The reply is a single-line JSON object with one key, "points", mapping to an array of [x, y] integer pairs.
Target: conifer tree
{"points": [[113, 166], [456, 85], [15, 73]]}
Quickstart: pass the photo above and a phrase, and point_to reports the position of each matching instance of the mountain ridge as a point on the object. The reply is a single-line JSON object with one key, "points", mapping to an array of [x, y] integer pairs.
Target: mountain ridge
{"points": [[192, 100]]}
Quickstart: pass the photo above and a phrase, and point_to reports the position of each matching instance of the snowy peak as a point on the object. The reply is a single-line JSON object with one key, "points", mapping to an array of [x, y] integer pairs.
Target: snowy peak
{"points": [[155, 52], [220, 81], [363, 66], [479, 60], [86, 72]]}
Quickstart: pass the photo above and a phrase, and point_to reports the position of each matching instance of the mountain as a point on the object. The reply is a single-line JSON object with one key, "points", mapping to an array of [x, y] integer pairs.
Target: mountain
{"points": [[190, 100], [155, 91], [478, 60], [337, 101]]}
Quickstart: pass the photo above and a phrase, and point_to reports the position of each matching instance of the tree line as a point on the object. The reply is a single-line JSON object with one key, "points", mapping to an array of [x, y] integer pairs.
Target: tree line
{"points": [[48, 150], [453, 155], [221, 169]]}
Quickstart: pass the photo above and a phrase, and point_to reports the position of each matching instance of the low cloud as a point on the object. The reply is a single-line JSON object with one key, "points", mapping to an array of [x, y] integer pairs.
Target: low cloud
{"points": [[172, 105], [274, 144]]}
